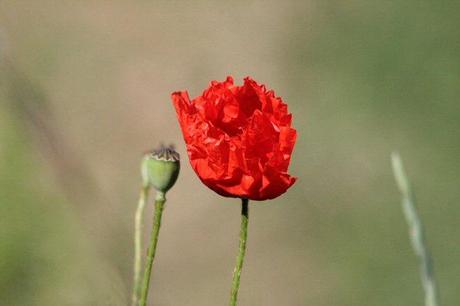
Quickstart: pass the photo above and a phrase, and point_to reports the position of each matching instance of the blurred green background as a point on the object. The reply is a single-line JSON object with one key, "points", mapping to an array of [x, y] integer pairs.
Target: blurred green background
{"points": [[84, 91]]}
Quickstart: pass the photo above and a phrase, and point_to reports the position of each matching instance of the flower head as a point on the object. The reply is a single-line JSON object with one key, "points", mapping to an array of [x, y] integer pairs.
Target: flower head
{"points": [[239, 138]]}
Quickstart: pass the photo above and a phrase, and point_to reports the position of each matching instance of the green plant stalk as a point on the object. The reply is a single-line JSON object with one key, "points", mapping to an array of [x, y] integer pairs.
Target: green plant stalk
{"points": [[241, 253], [138, 226], [159, 206], [416, 233]]}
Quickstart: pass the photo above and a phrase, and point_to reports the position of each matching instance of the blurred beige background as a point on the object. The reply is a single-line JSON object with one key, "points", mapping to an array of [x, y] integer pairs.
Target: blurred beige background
{"points": [[85, 91]]}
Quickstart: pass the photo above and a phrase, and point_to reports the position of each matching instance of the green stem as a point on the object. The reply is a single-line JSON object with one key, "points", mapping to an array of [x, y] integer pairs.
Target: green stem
{"points": [[416, 233], [159, 205], [241, 253], [138, 225]]}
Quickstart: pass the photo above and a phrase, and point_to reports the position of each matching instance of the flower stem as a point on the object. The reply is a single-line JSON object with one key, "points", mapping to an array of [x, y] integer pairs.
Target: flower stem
{"points": [[416, 233], [241, 253], [159, 205], [138, 225]]}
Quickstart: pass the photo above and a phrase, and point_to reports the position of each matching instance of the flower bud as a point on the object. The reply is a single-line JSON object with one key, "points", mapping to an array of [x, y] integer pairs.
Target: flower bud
{"points": [[160, 168]]}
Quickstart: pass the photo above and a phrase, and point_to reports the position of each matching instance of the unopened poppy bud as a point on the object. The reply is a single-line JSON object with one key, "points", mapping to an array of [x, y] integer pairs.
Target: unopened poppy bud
{"points": [[160, 168]]}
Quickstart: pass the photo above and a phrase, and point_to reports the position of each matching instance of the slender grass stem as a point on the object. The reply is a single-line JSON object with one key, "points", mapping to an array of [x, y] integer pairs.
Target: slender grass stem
{"points": [[241, 253], [159, 206], [138, 226], [416, 233]]}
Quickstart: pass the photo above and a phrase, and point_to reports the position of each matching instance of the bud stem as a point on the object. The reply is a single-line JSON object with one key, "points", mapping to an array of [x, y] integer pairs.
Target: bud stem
{"points": [[138, 225], [242, 251], [159, 205]]}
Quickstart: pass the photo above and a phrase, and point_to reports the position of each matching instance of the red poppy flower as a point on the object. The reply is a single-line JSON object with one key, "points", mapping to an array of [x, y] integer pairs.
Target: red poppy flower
{"points": [[239, 139]]}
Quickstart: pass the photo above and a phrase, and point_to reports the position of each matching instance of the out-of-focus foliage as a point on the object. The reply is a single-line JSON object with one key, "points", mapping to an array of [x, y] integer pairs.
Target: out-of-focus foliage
{"points": [[84, 91]]}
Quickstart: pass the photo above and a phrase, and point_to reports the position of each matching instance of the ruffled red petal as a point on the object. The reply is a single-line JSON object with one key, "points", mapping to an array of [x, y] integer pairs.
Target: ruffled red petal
{"points": [[239, 139]]}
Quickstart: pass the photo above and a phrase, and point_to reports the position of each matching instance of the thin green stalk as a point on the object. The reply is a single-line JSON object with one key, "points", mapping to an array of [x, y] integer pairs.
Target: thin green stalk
{"points": [[416, 233], [241, 253], [159, 205], [138, 226]]}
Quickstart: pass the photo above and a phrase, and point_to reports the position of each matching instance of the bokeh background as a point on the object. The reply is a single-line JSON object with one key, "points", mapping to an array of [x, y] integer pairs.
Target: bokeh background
{"points": [[84, 91]]}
